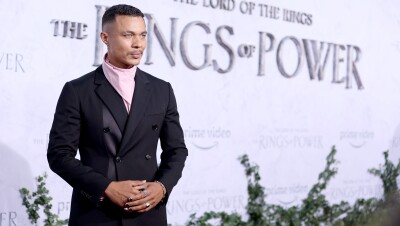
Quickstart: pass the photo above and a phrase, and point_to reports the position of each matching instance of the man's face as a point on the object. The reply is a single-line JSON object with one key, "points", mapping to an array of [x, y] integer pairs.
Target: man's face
{"points": [[125, 39]]}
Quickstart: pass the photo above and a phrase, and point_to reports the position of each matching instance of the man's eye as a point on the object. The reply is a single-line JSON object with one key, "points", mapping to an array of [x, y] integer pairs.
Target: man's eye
{"points": [[128, 35]]}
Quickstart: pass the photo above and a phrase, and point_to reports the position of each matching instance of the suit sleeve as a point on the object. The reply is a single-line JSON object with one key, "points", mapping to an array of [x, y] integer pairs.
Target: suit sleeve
{"points": [[173, 145], [63, 146]]}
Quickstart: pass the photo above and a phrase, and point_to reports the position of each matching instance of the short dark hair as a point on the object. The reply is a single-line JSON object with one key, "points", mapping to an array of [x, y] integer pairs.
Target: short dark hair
{"points": [[125, 10]]}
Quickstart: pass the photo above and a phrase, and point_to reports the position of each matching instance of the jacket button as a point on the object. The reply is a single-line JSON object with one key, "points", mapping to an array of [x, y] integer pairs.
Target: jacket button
{"points": [[106, 130], [154, 127], [118, 159], [148, 157]]}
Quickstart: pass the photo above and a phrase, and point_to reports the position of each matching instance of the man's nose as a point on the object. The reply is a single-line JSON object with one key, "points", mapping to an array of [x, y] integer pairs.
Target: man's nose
{"points": [[137, 42]]}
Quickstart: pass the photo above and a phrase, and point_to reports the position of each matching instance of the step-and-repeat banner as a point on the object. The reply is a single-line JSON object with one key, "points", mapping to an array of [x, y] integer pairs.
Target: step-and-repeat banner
{"points": [[282, 81]]}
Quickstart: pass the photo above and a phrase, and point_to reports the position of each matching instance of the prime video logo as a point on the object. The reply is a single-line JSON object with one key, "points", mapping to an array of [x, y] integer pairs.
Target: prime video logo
{"points": [[206, 139]]}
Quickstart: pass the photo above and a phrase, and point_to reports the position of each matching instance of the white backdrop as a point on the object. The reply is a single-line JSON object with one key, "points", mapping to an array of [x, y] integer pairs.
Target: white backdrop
{"points": [[282, 118]]}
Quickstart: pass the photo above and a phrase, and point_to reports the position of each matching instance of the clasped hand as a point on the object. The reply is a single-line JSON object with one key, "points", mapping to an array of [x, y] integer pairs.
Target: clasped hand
{"points": [[133, 195]]}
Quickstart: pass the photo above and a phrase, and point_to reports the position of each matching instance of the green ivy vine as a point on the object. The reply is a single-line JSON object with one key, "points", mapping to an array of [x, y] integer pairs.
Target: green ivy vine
{"points": [[40, 198], [314, 210]]}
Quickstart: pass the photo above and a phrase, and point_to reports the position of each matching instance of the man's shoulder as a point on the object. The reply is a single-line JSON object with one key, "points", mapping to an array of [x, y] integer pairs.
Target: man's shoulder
{"points": [[152, 78], [86, 79]]}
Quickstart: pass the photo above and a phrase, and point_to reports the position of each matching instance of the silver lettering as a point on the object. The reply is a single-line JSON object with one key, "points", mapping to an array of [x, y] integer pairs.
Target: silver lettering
{"points": [[279, 58], [226, 47], [57, 24], [18, 60], [99, 45], [183, 46], [11, 217], [351, 66], [316, 67], [8, 60], [81, 32], [263, 50], [336, 61], [69, 29], [153, 27]]}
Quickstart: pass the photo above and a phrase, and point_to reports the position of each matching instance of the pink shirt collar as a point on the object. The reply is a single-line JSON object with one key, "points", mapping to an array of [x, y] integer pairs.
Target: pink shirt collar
{"points": [[123, 80]]}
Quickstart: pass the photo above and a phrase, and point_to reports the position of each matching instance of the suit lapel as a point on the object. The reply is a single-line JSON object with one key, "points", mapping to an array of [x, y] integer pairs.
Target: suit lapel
{"points": [[141, 97], [111, 99]]}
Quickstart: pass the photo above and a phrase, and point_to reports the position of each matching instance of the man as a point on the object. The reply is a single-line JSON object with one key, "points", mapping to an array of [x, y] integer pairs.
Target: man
{"points": [[115, 116]]}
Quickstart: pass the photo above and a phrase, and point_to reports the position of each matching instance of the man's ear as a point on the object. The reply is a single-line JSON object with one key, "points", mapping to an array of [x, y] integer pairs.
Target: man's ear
{"points": [[104, 37]]}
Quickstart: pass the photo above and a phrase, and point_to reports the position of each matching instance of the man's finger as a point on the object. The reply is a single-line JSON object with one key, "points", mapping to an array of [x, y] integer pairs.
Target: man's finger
{"points": [[149, 206], [135, 183], [140, 201], [140, 207], [138, 188], [137, 197]]}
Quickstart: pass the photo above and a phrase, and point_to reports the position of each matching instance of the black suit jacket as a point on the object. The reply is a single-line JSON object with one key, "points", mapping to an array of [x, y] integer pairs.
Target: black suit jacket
{"points": [[113, 145]]}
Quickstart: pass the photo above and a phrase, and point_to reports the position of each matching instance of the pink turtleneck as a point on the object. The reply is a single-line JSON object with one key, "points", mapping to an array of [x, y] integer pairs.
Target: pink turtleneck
{"points": [[123, 81]]}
